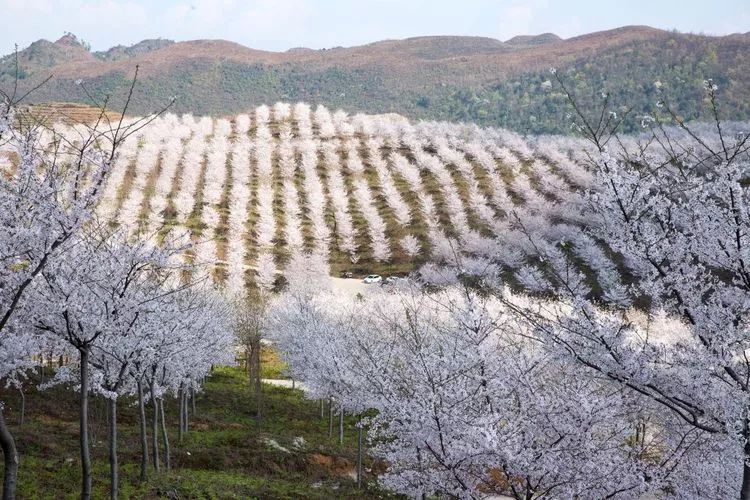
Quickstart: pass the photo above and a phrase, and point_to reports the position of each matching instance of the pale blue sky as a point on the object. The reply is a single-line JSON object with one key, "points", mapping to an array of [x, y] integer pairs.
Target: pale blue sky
{"points": [[281, 24]]}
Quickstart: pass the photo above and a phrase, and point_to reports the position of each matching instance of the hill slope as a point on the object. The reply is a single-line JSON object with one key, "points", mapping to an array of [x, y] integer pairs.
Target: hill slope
{"points": [[228, 453], [448, 78], [370, 193]]}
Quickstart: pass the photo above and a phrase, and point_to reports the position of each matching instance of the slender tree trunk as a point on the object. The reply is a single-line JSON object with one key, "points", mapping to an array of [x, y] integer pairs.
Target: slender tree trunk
{"points": [[113, 468], [10, 455], [155, 429], [142, 428], [322, 410], [84, 427], [185, 410], [23, 406], [257, 380], [104, 409], [164, 435], [359, 455], [192, 398], [341, 425], [330, 418], [249, 362], [181, 429]]}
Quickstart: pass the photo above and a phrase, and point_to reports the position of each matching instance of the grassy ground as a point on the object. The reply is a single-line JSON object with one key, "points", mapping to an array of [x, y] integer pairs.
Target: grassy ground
{"points": [[227, 453], [271, 364]]}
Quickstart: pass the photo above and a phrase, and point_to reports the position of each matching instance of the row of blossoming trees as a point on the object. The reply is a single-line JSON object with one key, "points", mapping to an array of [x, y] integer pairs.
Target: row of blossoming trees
{"points": [[130, 319], [361, 190], [624, 372]]}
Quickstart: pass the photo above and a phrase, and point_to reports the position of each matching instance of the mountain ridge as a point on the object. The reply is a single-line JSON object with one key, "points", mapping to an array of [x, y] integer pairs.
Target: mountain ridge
{"points": [[458, 78]]}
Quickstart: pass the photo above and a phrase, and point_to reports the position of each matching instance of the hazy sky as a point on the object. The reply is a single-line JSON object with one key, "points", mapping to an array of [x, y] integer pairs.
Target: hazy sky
{"points": [[281, 24]]}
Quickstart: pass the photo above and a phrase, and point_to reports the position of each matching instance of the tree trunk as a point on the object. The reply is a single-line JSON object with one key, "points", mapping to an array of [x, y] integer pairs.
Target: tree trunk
{"points": [[10, 455], [256, 380], [341, 426], [322, 413], [359, 455], [164, 435], [330, 418], [142, 429], [113, 469], [181, 428], [185, 410], [192, 398], [23, 407], [155, 429], [249, 362], [84, 427]]}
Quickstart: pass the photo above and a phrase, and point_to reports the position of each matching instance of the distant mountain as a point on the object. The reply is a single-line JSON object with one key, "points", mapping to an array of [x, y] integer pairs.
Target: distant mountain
{"points": [[542, 39], [44, 55], [120, 52], [435, 77]]}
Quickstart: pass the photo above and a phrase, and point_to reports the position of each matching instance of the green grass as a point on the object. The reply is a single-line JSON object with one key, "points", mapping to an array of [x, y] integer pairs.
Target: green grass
{"points": [[226, 453], [271, 364]]}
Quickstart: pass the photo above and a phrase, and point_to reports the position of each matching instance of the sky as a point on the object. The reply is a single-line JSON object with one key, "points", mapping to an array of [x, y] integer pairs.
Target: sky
{"points": [[282, 24]]}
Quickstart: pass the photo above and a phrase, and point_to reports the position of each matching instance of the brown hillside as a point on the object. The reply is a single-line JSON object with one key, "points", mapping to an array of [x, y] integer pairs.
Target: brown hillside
{"points": [[456, 78], [66, 112], [454, 51]]}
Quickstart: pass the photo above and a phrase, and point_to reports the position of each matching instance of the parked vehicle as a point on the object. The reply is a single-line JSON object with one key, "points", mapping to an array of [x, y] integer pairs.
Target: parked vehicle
{"points": [[373, 278], [346, 274]]}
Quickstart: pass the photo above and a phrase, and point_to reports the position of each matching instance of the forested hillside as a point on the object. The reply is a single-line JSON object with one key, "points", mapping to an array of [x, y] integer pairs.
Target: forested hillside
{"points": [[473, 79]]}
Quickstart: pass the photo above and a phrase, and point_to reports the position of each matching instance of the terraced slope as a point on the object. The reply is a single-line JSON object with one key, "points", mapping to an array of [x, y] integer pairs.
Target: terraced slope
{"points": [[372, 193]]}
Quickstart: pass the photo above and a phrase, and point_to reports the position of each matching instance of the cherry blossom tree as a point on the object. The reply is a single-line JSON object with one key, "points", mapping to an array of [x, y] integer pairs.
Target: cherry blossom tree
{"points": [[376, 227], [146, 160], [393, 197], [213, 189], [338, 195], [265, 227], [95, 300], [315, 194], [239, 201], [46, 199], [170, 161], [470, 403], [675, 213], [292, 210], [410, 245], [324, 121], [199, 337], [192, 165]]}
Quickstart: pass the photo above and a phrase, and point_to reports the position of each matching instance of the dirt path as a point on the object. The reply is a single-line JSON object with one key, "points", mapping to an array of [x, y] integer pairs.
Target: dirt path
{"points": [[354, 286], [282, 382]]}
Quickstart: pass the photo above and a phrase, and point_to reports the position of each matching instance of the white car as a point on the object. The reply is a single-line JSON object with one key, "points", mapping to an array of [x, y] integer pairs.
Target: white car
{"points": [[372, 278]]}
